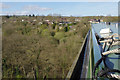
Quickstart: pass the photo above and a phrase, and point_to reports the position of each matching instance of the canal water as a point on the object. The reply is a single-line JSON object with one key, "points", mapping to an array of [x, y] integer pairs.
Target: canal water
{"points": [[112, 60]]}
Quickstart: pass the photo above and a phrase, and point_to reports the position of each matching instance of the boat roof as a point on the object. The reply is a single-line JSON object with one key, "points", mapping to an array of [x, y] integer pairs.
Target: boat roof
{"points": [[98, 27]]}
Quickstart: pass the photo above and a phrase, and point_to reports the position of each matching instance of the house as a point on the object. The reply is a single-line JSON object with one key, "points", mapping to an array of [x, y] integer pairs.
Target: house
{"points": [[101, 20], [60, 27], [47, 20], [94, 21], [5, 21], [40, 23], [34, 20], [52, 22], [77, 19], [60, 22], [22, 20], [74, 29]]}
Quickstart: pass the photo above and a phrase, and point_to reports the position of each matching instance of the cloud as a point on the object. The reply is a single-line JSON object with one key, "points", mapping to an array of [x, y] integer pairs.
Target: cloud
{"points": [[36, 8], [14, 12], [20, 12], [25, 10]]}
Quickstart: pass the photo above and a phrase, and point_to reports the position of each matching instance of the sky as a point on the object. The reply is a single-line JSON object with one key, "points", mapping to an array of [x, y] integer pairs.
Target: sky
{"points": [[59, 0], [62, 8]]}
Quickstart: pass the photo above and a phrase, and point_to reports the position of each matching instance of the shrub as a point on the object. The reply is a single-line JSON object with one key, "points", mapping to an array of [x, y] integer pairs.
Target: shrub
{"points": [[59, 35], [46, 32]]}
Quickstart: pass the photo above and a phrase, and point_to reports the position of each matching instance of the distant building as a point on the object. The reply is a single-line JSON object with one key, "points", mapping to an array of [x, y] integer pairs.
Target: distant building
{"points": [[5, 21], [101, 20], [60, 27], [74, 29], [40, 23], [47, 20], [52, 22], [22, 20], [34, 20], [60, 22], [95, 20], [77, 19]]}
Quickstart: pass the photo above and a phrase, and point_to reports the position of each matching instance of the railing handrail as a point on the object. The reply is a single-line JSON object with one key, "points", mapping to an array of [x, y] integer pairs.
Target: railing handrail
{"points": [[76, 68], [86, 58]]}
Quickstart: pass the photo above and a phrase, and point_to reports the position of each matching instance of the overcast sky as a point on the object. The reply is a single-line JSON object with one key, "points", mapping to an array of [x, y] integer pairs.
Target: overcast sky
{"points": [[63, 8]]}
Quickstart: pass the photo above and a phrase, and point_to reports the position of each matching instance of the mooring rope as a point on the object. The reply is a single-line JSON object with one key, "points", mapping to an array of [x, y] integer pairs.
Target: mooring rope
{"points": [[110, 40], [112, 51]]}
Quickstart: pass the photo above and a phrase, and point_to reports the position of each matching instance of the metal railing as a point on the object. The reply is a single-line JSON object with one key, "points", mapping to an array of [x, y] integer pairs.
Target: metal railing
{"points": [[79, 67]]}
